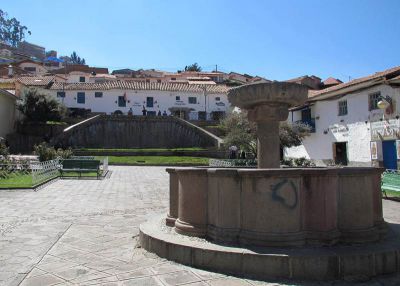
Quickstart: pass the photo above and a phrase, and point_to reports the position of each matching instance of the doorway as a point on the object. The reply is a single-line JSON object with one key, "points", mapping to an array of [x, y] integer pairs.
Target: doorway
{"points": [[389, 154], [340, 153]]}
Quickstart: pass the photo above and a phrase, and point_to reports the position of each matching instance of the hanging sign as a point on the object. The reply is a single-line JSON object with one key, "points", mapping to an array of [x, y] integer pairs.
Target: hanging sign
{"points": [[385, 129]]}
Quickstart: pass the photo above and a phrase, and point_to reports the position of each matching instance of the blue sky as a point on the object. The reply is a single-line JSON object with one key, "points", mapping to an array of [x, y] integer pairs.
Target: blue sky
{"points": [[274, 39]]}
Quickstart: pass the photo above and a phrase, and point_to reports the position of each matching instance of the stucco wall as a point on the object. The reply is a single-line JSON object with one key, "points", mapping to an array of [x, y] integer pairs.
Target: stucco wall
{"points": [[7, 114], [353, 128]]}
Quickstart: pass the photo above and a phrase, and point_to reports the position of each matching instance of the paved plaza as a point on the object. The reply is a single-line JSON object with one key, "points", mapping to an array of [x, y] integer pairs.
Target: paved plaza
{"points": [[85, 232]]}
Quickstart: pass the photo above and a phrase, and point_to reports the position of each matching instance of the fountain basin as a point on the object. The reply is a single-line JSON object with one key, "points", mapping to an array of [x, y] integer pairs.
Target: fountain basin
{"points": [[277, 207]]}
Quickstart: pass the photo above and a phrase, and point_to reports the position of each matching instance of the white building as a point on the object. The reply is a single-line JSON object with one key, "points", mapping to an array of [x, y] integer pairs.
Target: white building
{"points": [[192, 102], [349, 127]]}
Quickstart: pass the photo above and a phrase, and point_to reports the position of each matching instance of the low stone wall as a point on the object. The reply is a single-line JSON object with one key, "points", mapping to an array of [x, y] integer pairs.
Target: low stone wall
{"points": [[136, 132], [277, 207]]}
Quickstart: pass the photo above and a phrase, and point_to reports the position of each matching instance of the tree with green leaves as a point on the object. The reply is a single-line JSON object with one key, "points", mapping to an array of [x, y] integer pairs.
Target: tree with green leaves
{"points": [[194, 67], [11, 30], [243, 133], [75, 59], [40, 107]]}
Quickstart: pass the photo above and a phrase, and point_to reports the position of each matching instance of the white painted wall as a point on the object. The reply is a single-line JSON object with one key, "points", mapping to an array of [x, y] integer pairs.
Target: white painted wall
{"points": [[163, 100], [74, 76], [319, 146], [7, 114]]}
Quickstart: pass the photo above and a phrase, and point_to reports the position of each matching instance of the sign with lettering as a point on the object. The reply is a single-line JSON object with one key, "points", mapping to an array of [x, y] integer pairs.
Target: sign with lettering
{"points": [[339, 130], [385, 129], [179, 102], [220, 104]]}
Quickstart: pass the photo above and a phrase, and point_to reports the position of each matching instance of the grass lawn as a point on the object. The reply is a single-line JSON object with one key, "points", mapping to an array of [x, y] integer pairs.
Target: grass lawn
{"points": [[142, 150], [156, 160], [391, 194], [16, 180]]}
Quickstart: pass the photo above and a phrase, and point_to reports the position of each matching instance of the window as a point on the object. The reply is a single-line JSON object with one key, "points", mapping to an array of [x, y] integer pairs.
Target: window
{"points": [[173, 78], [80, 98], [98, 94], [217, 99], [81, 79], [149, 101], [121, 101], [192, 100], [373, 100], [342, 107], [61, 94], [177, 98], [30, 69], [306, 114]]}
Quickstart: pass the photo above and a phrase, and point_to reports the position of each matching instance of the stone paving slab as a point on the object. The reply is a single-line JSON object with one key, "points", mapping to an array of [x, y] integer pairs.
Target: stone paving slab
{"points": [[85, 232]]}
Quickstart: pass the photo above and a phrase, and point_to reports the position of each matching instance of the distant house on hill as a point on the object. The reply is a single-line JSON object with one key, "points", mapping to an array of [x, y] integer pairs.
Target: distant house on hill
{"points": [[83, 73], [331, 82], [312, 82], [32, 50]]}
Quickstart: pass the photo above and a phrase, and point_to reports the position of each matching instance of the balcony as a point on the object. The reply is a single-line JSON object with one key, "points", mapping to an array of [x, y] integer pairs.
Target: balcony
{"points": [[310, 122]]}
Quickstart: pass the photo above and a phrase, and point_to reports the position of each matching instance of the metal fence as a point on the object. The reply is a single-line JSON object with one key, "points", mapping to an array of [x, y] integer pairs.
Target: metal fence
{"points": [[45, 171], [14, 174]]}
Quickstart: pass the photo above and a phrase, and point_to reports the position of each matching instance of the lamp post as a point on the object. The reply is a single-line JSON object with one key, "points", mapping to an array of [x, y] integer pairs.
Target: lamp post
{"points": [[205, 101]]}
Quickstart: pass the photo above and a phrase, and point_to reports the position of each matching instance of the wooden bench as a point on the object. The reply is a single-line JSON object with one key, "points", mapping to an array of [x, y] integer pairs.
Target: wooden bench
{"points": [[390, 181], [80, 166]]}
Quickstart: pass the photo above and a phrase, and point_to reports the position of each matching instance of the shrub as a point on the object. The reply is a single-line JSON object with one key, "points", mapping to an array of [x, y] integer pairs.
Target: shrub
{"points": [[40, 107], [4, 152], [47, 153], [297, 162]]}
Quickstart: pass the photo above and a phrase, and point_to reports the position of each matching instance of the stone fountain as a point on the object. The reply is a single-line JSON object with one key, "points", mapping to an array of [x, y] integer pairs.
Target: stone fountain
{"points": [[298, 223]]}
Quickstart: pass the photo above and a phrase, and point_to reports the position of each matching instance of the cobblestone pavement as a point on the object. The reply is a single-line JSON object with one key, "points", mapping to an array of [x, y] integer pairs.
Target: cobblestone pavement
{"points": [[85, 232]]}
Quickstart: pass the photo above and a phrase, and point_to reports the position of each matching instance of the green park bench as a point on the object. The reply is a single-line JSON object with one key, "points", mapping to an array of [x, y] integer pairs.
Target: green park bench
{"points": [[80, 166], [390, 181]]}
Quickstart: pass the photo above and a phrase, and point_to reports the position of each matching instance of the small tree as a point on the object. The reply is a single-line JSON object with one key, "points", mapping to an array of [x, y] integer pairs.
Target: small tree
{"points": [[40, 107], [242, 133], [75, 59], [194, 67]]}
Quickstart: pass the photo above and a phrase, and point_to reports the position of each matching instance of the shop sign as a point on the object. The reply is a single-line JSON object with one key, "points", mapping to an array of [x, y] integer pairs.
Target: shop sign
{"points": [[339, 130], [179, 102], [385, 130], [374, 150]]}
